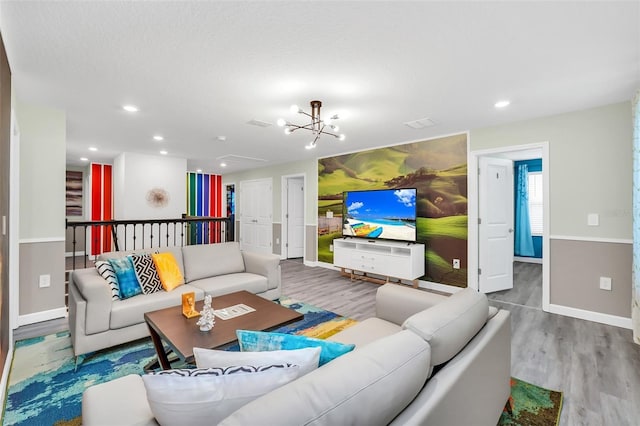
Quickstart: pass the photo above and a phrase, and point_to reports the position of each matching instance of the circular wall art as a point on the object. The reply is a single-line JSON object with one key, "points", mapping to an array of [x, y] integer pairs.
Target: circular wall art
{"points": [[157, 197]]}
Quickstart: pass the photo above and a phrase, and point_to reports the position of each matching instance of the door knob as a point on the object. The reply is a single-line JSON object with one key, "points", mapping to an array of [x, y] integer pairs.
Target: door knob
{"points": [[510, 230]]}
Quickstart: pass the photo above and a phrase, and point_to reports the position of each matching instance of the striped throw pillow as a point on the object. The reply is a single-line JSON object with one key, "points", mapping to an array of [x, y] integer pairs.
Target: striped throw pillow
{"points": [[106, 271]]}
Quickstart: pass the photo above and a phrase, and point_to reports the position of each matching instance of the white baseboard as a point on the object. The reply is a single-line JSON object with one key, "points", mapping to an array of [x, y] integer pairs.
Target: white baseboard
{"points": [[5, 371], [42, 316], [70, 253], [591, 316]]}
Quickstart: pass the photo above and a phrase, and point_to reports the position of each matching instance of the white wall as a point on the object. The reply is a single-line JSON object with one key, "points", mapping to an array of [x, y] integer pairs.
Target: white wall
{"points": [[42, 211], [42, 171], [590, 164], [136, 174]]}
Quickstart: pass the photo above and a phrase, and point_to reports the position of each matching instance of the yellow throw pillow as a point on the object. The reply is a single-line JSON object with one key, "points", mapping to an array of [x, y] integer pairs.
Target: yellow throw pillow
{"points": [[168, 270]]}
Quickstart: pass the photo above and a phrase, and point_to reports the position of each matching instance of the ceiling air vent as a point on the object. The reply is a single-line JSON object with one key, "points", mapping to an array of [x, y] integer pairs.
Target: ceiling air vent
{"points": [[259, 123], [421, 123]]}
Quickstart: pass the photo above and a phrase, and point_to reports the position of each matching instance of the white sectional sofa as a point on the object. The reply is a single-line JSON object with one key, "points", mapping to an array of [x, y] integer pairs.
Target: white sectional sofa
{"points": [[424, 359], [97, 322]]}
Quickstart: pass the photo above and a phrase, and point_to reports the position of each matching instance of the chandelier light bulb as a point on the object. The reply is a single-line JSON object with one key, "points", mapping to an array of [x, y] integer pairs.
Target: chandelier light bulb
{"points": [[281, 122], [341, 137], [311, 145], [335, 128], [287, 131], [294, 109]]}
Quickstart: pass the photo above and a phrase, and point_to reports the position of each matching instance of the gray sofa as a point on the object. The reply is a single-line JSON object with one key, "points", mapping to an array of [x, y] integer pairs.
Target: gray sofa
{"points": [[96, 322], [424, 359]]}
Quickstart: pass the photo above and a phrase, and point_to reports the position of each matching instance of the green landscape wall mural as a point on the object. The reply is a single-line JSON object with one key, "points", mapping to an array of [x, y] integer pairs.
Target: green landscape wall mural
{"points": [[436, 167]]}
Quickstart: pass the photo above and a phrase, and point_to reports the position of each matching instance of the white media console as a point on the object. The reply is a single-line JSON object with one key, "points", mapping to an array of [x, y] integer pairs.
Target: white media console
{"points": [[372, 259]]}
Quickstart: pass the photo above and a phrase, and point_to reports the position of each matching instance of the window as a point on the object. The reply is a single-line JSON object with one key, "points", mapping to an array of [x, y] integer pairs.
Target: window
{"points": [[535, 202]]}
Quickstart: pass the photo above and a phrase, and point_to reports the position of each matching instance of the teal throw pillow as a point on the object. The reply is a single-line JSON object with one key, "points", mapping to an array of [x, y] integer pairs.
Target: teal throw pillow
{"points": [[256, 341], [127, 280]]}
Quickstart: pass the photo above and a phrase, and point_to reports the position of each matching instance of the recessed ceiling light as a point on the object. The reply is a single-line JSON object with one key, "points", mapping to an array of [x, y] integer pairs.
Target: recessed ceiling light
{"points": [[163, 152], [84, 159], [199, 171], [502, 104], [130, 108], [223, 164], [158, 138], [222, 138], [93, 148]]}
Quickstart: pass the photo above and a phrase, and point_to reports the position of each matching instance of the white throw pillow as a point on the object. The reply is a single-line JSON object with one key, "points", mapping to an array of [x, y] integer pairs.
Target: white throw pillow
{"points": [[206, 396], [306, 358]]}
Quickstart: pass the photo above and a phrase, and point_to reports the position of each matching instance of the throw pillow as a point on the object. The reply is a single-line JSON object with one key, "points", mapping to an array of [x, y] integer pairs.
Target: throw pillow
{"points": [[306, 358], [129, 285], [255, 341], [198, 397], [106, 271], [168, 270], [146, 273]]}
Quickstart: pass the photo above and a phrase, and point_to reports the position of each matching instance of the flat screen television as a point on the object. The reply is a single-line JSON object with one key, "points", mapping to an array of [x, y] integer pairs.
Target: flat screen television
{"points": [[388, 214]]}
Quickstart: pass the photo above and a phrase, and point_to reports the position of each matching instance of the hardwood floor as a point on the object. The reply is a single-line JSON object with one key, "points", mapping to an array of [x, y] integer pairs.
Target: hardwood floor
{"points": [[527, 286], [596, 366]]}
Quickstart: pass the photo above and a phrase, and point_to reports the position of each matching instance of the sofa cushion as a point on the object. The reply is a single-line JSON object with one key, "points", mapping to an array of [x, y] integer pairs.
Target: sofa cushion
{"points": [[127, 280], [182, 398], [106, 271], [146, 273], [451, 324], [225, 284], [256, 341], [122, 401], [131, 311], [306, 358], [168, 270], [368, 386], [210, 260], [366, 331]]}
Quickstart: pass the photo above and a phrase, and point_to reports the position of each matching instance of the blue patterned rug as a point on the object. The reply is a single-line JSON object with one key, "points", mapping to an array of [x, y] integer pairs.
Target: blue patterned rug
{"points": [[44, 387]]}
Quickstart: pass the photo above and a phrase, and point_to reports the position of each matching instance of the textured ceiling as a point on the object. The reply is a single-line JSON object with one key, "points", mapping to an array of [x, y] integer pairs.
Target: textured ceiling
{"points": [[199, 70]]}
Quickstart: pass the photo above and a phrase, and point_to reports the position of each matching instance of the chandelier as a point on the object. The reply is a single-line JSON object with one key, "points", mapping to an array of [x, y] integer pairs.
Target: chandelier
{"points": [[317, 126]]}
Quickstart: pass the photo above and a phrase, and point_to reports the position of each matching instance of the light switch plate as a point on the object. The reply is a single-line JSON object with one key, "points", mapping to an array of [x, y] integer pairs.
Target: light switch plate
{"points": [[593, 219], [605, 283]]}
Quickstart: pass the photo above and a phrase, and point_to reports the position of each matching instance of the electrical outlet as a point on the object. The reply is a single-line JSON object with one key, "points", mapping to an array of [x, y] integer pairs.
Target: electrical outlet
{"points": [[605, 283], [277, 240], [456, 263], [331, 247], [44, 281]]}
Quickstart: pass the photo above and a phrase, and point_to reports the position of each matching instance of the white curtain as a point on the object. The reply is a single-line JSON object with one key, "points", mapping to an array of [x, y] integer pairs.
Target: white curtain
{"points": [[635, 285]]}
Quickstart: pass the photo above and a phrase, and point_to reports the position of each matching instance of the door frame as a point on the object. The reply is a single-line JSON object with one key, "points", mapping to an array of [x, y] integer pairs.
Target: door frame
{"points": [[236, 229], [283, 209], [473, 238]]}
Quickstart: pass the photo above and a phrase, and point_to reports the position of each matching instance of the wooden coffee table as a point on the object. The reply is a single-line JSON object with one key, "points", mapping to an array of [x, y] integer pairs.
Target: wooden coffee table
{"points": [[182, 334]]}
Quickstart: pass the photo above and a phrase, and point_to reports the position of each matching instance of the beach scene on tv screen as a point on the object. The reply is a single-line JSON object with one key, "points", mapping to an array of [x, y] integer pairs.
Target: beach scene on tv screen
{"points": [[386, 214]]}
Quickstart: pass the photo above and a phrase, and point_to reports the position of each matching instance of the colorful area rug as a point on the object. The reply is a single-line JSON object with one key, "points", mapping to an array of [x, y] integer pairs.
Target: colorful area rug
{"points": [[45, 388], [532, 405]]}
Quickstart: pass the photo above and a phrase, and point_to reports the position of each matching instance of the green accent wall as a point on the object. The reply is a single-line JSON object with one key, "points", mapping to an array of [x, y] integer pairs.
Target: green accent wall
{"points": [[436, 167]]}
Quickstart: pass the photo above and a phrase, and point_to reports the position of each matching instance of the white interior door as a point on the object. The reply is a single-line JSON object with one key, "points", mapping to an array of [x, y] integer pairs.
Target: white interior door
{"points": [[294, 244], [495, 231], [256, 213]]}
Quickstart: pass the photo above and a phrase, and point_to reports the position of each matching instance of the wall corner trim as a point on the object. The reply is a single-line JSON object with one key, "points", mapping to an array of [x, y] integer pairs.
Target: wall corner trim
{"points": [[42, 316], [592, 239], [599, 317], [42, 240]]}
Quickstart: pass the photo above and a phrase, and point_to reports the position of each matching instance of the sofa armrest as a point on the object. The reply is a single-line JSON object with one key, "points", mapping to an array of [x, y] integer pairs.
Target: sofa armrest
{"points": [[396, 303], [265, 264], [95, 291]]}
